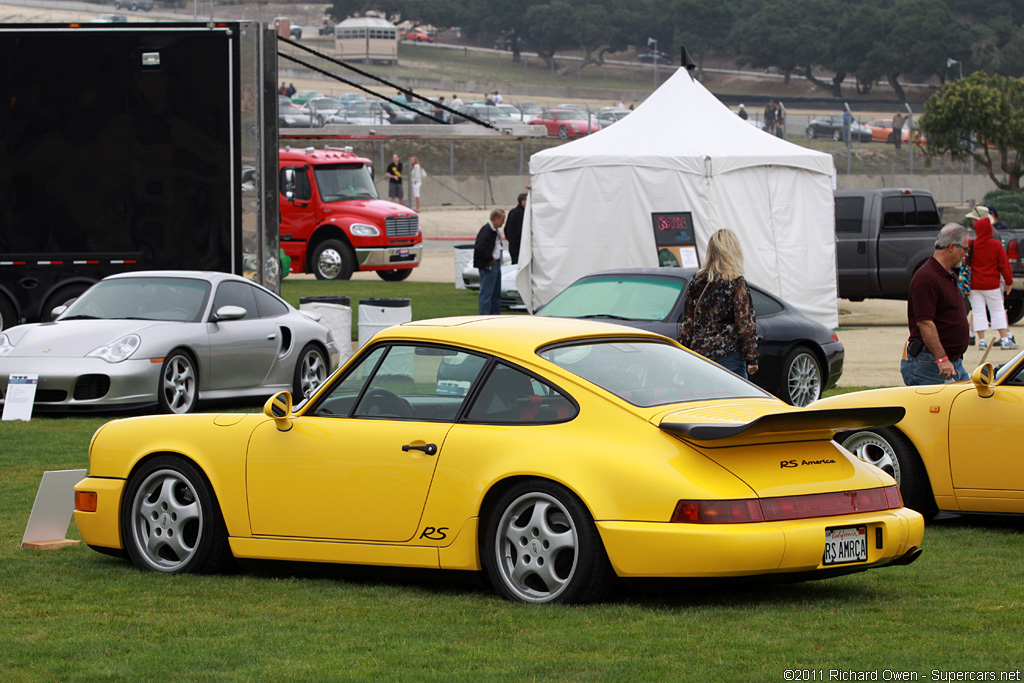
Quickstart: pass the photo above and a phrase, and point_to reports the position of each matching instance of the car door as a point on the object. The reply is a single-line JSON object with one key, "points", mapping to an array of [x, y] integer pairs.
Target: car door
{"points": [[359, 464], [241, 352]]}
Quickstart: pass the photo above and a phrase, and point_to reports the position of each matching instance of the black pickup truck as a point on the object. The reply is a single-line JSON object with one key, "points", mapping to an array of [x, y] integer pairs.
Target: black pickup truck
{"points": [[884, 235]]}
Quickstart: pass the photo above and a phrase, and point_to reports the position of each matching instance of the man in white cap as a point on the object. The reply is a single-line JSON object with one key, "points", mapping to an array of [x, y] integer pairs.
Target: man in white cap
{"points": [[742, 113]]}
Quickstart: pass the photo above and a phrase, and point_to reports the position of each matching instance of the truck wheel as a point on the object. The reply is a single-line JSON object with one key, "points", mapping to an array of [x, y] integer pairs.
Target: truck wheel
{"points": [[333, 260], [801, 378], [64, 296], [394, 275], [8, 316], [1015, 307]]}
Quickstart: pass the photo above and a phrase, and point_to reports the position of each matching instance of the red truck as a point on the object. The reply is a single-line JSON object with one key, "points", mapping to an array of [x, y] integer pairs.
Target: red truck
{"points": [[333, 223]]}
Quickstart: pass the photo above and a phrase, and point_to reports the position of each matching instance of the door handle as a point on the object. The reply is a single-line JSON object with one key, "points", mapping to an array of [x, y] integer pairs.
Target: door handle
{"points": [[862, 247], [429, 449], [271, 337]]}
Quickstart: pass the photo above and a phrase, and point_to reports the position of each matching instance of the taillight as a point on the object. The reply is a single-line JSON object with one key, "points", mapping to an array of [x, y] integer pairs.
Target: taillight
{"points": [[835, 337], [787, 507], [1013, 252]]}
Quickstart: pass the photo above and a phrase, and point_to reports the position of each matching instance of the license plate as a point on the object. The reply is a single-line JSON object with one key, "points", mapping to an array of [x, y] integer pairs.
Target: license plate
{"points": [[846, 544]]}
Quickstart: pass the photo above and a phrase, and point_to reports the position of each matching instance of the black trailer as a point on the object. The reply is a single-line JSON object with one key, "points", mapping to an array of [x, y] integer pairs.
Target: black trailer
{"points": [[133, 147]]}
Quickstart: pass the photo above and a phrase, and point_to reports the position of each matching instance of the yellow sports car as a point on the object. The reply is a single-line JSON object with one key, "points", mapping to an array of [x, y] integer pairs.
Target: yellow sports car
{"points": [[957, 447], [555, 455]]}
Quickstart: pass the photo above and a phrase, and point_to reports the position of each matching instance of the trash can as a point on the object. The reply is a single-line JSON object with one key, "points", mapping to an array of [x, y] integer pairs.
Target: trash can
{"points": [[378, 314], [463, 257], [336, 313]]}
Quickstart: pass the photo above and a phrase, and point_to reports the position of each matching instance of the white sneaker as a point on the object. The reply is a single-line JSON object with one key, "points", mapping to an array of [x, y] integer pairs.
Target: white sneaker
{"points": [[982, 344], [1007, 344]]}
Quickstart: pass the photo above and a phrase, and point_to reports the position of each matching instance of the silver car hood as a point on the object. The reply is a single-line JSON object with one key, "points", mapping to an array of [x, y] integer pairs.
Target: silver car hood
{"points": [[75, 338]]}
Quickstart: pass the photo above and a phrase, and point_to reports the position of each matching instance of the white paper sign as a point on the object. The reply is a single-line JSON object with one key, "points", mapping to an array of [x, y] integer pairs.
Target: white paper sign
{"points": [[55, 501], [21, 394]]}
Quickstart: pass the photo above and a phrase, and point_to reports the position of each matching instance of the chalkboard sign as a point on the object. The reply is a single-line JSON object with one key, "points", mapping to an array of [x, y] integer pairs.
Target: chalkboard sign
{"points": [[675, 239]]}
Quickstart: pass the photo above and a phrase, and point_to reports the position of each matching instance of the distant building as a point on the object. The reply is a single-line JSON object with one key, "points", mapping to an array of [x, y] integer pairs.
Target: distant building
{"points": [[366, 39]]}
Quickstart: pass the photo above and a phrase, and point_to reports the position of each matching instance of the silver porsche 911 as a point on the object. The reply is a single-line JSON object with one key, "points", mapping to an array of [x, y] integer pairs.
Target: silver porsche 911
{"points": [[169, 339]]}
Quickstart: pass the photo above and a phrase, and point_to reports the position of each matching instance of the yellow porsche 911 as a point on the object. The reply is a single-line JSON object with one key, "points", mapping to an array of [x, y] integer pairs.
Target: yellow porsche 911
{"points": [[555, 455], [957, 448]]}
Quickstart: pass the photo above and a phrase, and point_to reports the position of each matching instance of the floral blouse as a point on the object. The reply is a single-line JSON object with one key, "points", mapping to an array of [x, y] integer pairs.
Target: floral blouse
{"points": [[719, 318]]}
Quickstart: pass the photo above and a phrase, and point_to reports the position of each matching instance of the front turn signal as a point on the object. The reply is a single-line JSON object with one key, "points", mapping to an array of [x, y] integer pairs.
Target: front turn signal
{"points": [[85, 501]]}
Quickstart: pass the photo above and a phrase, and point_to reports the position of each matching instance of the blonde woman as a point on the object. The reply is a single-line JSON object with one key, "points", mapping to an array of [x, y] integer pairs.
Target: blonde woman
{"points": [[416, 177], [718, 320]]}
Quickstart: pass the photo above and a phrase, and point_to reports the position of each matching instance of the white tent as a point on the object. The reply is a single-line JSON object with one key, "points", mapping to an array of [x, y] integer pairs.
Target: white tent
{"points": [[682, 150]]}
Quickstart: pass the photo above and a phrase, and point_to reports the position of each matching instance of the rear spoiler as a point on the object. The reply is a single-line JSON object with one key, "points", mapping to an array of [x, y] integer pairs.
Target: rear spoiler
{"points": [[788, 423]]}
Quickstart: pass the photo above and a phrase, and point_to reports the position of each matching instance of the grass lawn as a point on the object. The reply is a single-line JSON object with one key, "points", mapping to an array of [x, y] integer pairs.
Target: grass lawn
{"points": [[75, 614]]}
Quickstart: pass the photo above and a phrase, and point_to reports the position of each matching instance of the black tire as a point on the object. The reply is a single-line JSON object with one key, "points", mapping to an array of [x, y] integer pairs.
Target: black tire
{"points": [[8, 314], [1014, 307], [333, 260], [802, 379], [64, 296], [837, 135], [563, 133], [311, 371], [178, 386], [538, 514], [171, 521], [891, 451], [396, 275]]}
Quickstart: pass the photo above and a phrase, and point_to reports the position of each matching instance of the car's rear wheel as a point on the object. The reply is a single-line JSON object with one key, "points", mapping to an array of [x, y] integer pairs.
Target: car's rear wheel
{"points": [[396, 275], [170, 519], [541, 546], [1014, 307], [310, 371], [801, 378], [891, 451], [333, 260], [178, 391], [563, 132]]}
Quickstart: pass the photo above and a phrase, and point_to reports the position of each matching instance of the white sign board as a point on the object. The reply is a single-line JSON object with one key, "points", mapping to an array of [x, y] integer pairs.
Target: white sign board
{"points": [[21, 394], [55, 501]]}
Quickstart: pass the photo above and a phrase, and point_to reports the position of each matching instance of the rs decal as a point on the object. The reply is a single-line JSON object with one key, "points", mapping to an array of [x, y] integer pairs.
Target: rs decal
{"points": [[438, 534], [787, 463]]}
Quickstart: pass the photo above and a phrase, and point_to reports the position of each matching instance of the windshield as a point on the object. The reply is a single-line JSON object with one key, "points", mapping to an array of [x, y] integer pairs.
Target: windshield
{"points": [[338, 183], [635, 298], [648, 373], [142, 298]]}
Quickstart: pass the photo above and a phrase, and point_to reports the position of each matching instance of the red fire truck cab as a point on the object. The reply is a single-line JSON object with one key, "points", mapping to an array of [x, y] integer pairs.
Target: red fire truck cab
{"points": [[333, 223]]}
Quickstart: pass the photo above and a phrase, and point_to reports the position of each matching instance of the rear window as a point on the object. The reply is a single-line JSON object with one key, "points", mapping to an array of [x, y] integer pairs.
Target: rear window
{"points": [[849, 214], [632, 298], [909, 211]]}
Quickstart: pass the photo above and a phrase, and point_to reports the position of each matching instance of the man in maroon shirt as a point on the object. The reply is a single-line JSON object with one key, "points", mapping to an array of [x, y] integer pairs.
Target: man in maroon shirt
{"points": [[936, 314]]}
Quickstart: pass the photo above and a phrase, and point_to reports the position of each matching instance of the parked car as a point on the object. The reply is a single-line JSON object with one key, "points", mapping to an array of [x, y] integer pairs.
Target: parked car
{"points": [[322, 106], [490, 113], [565, 123], [295, 32], [881, 131], [555, 456], [110, 19], [955, 448], [302, 96], [528, 110], [169, 339], [654, 57], [609, 115], [510, 297], [419, 36], [423, 111], [504, 42], [363, 113], [294, 116], [831, 126], [799, 357], [134, 5]]}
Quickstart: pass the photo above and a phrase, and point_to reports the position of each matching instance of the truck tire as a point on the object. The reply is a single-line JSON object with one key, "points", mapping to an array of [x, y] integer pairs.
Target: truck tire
{"points": [[394, 275], [8, 315], [62, 297], [333, 260], [1015, 307]]}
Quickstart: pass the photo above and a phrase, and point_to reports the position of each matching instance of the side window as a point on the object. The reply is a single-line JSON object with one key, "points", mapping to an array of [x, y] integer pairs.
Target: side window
{"points": [[268, 305], [927, 212], [303, 190], [849, 214], [343, 396], [892, 212], [764, 305], [236, 294], [510, 396]]}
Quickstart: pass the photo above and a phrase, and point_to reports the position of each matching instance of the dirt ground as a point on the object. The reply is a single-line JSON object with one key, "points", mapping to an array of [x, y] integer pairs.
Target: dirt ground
{"points": [[872, 331]]}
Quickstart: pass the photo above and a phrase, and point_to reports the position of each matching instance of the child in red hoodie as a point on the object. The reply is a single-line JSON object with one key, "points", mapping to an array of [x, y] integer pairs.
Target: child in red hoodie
{"points": [[988, 263]]}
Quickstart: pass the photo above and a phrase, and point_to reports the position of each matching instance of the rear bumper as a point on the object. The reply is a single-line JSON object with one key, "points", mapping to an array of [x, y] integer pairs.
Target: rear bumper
{"points": [[655, 549]]}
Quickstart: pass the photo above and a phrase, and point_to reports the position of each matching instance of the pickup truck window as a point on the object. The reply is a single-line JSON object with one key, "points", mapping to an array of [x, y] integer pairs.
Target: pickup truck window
{"points": [[909, 212], [849, 214]]}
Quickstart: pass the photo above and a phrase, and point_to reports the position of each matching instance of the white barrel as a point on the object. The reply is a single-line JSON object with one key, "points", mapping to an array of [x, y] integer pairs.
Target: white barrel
{"points": [[336, 315], [379, 314]]}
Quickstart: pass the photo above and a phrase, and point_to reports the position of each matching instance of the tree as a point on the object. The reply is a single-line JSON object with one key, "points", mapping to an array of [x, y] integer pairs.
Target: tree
{"points": [[980, 117]]}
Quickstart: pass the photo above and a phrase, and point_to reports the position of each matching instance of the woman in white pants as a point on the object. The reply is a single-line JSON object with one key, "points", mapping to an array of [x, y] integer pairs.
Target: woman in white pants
{"points": [[416, 178], [990, 277]]}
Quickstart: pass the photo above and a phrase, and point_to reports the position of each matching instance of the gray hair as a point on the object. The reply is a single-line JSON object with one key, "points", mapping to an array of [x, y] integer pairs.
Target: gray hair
{"points": [[951, 233]]}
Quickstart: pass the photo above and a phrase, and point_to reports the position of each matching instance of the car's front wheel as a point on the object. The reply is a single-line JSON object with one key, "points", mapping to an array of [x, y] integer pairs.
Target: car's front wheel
{"points": [[178, 391], [801, 378], [891, 451], [563, 132], [170, 519], [310, 372], [541, 546]]}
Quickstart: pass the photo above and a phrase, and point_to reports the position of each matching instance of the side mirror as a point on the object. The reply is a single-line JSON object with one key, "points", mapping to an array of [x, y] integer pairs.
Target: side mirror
{"points": [[289, 184], [58, 311], [279, 408], [982, 378], [229, 313]]}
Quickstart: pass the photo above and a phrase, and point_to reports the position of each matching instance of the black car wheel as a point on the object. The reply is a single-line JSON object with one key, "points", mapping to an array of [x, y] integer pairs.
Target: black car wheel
{"points": [[563, 132], [540, 545], [891, 451], [178, 389], [310, 371], [333, 260], [170, 519], [1014, 307], [801, 378], [396, 275]]}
